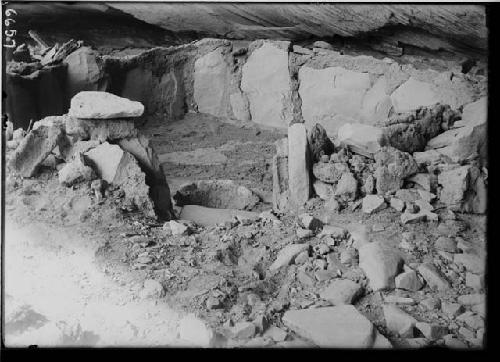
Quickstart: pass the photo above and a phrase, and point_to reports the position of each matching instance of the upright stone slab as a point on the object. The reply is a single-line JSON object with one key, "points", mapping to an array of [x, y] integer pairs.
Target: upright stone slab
{"points": [[413, 94], [120, 168], [211, 82], [332, 96], [267, 85], [85, 72], [298, 165], [33, 150]]}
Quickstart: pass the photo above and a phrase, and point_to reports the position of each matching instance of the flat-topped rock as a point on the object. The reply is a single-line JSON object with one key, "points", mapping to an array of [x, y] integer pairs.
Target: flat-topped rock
{"points": [[340, 326], [103, 105]]}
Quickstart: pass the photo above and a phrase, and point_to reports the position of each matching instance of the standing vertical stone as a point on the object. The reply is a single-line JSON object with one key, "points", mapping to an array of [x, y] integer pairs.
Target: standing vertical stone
{"points": [[267, 84], [211, 80], [298, 164]]}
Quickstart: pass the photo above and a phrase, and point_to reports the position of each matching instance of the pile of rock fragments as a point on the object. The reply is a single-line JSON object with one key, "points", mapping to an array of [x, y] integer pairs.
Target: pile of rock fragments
{"points": [[96, 143]]}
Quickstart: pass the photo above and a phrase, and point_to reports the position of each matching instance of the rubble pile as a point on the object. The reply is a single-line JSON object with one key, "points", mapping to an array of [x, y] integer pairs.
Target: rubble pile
{"points": [[97, 140]]}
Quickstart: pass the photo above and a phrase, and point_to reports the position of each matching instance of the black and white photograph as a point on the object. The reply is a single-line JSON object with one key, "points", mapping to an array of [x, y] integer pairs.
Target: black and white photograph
{"points": [[244, 175]]}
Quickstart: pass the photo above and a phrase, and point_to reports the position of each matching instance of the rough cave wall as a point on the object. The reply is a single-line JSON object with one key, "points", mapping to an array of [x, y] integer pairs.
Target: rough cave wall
{"points": [[275, 84]]}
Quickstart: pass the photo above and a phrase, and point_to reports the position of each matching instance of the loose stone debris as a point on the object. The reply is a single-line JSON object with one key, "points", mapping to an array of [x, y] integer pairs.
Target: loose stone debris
{"points": [[359, 229]]}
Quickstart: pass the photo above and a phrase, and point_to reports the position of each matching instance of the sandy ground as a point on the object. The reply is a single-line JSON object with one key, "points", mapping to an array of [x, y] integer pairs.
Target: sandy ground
{"points": [[55, 294]]}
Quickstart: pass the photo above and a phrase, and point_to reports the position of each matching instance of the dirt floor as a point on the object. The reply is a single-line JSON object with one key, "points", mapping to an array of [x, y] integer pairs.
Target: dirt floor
{"points": [[103, 253]]}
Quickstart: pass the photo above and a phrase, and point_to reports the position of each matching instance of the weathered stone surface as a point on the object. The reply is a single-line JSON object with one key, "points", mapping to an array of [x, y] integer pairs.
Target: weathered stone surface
{"points": [[243, 330], [409, 281], [287, 254], [408, 218], [376, 103], [397, 204], [467, 142], [341, 291], [340, 326], [310, 222], [433, 276], [84, 72], [200, 157], [347, 187], [471, 299], [266, 83], [452, 309], [410, 131], [381, 263], [120, 168], [211, 81], [397, 320], [463, 189], [82, 129], [240, 106], [474, 281], [361, 138], [33, 149], [329, 172], [323, 190], [74, 172], [151, 289], [431, 331], [413, 94], [195, 332], [446, 244], [423, 180], [280, 182], [103, 105], [299, 182], [222, 194], [319, 143], [393, 166], [332, 96], [373, 203], [149, 162], [473, 262], [80, 147], [427, 157]]}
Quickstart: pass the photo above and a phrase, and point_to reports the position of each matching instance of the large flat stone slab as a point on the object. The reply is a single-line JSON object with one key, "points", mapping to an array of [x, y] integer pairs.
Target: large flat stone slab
{"points": [[103, 105], [332, 96], [332, 327], [267, 85]]}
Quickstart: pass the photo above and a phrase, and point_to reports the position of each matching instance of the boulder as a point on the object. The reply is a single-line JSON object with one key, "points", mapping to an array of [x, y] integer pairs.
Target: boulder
{"points": [[140, 147], [431, 331], [361, 138], [299, 182], [433, 276], [341, 291], [267, 85], [332, 327], [463, 189], [413, 94], [332, 96], [398, 321], [323, 190], [373, 203], [381, 263], [330, 172], [84, 72], [103, 105], [467, 142], [222, 194], [211, 82], [319, 143], [195, 332], [409, 281], [287, 254], [120, 168], [75, 172], [33, 149], [347, 187], [393, 166]]}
